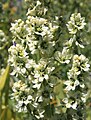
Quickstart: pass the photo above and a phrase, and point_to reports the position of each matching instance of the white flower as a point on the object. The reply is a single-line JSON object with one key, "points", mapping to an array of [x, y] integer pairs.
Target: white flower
{"points": [[21, 107], [63, 57], [76, 23], [19, 85], [76, 59], [32, 46], [76, 83], [71, 85], [73, 73], [36, 75], [41, 79], [29, 100], [70, 104], [82, 85], [71, 28], [30, 63], [81, 46], [46, 76], [36, 85], [38, 3], [17, 50], [67, 61], [69, 42], [40, 115], [29, 97], [40, 99], [23, 70], [74, 105], [35, 104], [17, 27], [81, 61], [84, 66]]}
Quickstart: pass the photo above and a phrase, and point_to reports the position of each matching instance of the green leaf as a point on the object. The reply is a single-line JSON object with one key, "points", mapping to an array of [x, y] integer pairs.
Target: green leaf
{"points": [[59, 91], [3, 78], [9, 114], [2, 117], [6, 114]]}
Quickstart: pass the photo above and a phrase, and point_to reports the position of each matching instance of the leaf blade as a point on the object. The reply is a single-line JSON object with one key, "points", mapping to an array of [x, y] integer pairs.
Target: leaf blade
{"points": [[3, 77]]}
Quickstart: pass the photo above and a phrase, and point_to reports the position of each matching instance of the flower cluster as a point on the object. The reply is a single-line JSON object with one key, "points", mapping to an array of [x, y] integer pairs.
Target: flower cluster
{"points": [[21, 95], [18, 57], [80, 64], [63, 57], [37, 92], [30, 59], [37, 63], [70, 104], [76, 23], [75, 87]]}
